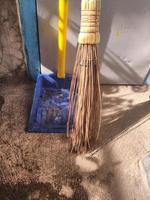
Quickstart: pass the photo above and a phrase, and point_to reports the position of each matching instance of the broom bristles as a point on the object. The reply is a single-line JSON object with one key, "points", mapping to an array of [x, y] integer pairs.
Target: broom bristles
{"points": [[84, 118]]}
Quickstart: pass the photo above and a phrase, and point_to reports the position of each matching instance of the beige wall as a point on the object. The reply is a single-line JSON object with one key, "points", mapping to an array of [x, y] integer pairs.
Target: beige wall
{"points": [[125, 38]]}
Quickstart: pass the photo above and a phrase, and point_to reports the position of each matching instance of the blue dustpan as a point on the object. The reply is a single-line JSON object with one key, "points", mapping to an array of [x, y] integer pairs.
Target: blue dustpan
{"points": [[50, 105]]}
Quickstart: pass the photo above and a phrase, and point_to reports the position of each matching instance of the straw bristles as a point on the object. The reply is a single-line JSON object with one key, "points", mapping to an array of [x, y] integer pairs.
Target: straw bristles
{"points": [[85, 99], [84, 117]]}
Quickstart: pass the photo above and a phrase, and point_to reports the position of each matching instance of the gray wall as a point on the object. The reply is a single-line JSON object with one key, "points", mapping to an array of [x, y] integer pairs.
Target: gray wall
{"points": [[125, 38]]}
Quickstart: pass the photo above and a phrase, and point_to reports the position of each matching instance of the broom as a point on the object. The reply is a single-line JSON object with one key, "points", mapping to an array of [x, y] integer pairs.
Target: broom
{"points": [[84, 118]]}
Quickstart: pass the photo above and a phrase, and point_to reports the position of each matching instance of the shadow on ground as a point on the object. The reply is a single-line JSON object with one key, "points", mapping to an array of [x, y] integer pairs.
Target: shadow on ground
{"points": [[119, 122], [38, 166], [36, 191]]}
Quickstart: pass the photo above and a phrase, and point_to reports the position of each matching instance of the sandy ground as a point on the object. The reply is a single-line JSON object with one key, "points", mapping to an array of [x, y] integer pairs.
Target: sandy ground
{"points": [[40, 167]]}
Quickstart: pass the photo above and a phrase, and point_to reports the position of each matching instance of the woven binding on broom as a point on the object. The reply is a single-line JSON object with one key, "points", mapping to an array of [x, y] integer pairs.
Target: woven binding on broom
{"points": [[85, 93], [89, 29]]}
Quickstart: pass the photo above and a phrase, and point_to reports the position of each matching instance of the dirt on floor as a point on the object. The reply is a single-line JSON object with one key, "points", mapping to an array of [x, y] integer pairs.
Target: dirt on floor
{"points": [[40, 166]]}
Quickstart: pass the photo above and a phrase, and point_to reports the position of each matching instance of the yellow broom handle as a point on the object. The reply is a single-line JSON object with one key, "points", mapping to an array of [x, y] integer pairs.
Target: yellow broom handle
{"points": [[62, 37]]}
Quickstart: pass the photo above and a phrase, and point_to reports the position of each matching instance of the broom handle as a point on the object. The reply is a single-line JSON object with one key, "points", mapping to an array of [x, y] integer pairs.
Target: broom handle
{"points": [[62, 37], [90, 22]]}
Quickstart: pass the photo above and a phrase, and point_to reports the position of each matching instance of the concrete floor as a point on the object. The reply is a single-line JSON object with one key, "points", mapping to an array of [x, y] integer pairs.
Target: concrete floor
{"points": [[39, 166]]}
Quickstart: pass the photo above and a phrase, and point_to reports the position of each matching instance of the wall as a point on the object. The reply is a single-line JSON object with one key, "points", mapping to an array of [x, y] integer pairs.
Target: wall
{"points": [[11, 54], [125, 41], [125, 38]]}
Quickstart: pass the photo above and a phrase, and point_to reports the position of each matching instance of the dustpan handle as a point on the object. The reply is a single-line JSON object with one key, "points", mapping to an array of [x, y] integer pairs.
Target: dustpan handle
{"points": [[62, 37]]}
